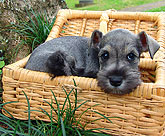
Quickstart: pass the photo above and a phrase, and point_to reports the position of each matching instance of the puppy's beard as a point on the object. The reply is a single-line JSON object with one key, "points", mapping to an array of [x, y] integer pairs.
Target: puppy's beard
{"points": [[131, 81]]}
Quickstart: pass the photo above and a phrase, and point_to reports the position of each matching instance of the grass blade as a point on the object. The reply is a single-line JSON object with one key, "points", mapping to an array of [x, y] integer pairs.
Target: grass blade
{"points": [[16, 128], [78, 132], [29, 121], [102, 116], [7, 103], [67, 98], [63, 127], [73, 111], [58, 108], [46, 113], [52, 107], [8, 113]]}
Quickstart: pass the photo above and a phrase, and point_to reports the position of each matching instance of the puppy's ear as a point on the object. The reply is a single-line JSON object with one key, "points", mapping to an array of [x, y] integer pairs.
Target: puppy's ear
{"points": [[148, 43], [96, 38]]}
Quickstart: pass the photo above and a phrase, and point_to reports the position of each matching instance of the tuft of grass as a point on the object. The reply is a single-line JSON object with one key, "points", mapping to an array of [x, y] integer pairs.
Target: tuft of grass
{"points": [[66, 122], [34, 31]]}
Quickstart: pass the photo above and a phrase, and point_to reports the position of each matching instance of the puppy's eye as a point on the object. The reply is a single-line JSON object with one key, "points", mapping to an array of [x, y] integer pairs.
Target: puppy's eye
{"points": [[131, 57], [105, 56]]}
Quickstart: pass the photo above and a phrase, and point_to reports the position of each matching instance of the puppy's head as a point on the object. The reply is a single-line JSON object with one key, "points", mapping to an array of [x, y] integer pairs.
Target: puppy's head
{"points": [[119, 54]]}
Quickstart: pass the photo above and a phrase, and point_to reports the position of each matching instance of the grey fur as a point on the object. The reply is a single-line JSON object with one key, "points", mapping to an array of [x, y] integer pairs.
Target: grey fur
{"points": [[76, 52], [113, 58]]}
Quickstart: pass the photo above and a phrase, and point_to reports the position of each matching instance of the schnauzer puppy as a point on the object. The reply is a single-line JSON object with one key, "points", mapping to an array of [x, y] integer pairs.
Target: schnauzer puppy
{"points": [[113, 58]]}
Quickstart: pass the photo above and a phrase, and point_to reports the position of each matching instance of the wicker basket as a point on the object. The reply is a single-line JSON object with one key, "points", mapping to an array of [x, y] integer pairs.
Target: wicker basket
{"points": [[143, 109]]}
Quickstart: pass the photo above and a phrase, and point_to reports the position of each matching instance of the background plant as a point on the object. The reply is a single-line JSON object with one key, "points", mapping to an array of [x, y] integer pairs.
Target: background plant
{"points": [[17, 12], [35, 31]]}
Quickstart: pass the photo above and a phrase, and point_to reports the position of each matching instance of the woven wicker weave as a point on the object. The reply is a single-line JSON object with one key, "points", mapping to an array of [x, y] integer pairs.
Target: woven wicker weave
{"points": [[143, 109]]}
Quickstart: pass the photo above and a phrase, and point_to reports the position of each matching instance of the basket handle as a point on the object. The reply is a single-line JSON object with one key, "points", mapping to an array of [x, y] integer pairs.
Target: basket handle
{"points": [[103, 23]]}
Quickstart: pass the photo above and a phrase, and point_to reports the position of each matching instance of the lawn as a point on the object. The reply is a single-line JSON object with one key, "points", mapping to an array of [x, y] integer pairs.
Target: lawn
{"points": [[161, 9], [109, 4]]}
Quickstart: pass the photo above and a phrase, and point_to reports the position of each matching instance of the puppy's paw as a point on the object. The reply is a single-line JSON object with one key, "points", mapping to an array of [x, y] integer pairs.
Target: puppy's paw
{"points": [[56, 64]]}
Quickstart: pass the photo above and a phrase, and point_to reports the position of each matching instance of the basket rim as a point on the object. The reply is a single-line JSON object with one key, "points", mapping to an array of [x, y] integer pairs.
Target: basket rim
{"points": [[65, 14], [71, 14]]}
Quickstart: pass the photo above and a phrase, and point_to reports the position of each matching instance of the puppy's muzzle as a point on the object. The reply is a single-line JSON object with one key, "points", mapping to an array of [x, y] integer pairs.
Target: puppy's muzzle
{"points": [[115, 80]]}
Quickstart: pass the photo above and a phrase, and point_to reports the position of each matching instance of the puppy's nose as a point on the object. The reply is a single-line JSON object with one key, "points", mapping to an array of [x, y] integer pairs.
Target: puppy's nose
{"points": [[115, 80]]}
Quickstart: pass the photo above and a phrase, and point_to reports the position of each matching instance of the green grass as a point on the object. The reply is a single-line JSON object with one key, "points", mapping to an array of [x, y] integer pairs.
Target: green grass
{"points": [[109, 4], [161, 9]]}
